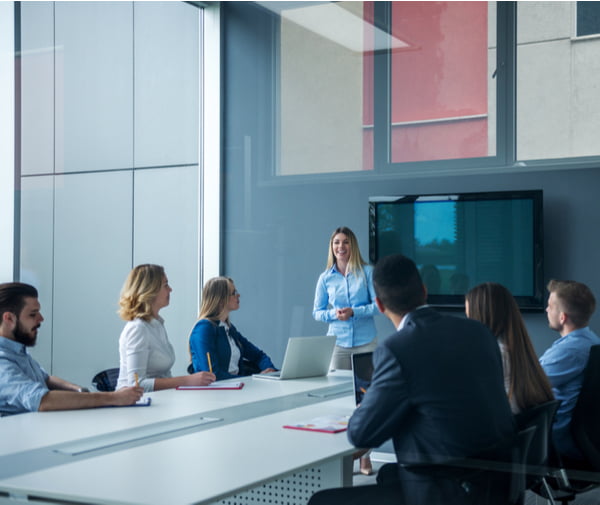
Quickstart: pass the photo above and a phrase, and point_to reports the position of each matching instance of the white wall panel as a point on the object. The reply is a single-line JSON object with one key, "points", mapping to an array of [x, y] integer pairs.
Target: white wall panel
{"points": [[37, 88], [92, 258], [94, 85], [166, 229], [166, 83], [37, 254]]}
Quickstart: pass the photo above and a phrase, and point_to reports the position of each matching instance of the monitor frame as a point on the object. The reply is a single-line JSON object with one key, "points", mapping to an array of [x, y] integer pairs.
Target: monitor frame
{"points": [[533, 303]]}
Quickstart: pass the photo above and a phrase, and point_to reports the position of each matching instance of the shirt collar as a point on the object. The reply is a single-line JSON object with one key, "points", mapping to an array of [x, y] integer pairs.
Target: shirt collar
{"points": [[404, 320], [12, 345]]}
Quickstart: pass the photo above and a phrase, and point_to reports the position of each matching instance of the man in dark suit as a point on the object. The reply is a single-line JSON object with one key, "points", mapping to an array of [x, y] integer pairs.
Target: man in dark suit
{"points": [[437, 392]]}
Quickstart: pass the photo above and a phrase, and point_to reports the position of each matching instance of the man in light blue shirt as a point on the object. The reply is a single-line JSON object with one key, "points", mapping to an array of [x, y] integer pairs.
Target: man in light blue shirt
{"points": [[25, 385], [570, 306]]}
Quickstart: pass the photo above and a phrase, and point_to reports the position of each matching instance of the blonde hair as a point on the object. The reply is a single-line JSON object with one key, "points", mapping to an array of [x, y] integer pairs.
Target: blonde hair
{"points": [[139, 292], [356, 261], [215, 295]]}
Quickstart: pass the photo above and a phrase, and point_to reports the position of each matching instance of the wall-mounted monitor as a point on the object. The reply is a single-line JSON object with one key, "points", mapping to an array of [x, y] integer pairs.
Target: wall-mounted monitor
{"points": [[461, 240]]}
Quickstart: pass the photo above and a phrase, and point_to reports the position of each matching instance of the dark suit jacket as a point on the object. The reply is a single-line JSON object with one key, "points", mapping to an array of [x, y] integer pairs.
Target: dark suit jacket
{"points": [[437, 391]]}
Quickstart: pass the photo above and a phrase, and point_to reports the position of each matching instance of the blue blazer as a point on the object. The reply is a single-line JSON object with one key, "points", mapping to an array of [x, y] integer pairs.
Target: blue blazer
{"points": [[208, 336]]}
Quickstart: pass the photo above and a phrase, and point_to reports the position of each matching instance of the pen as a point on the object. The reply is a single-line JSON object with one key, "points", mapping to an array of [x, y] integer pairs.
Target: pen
{"points": [[209, 363], [137, 383]]}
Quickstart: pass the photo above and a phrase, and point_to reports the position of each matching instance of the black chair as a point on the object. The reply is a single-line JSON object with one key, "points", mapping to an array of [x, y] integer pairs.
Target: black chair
{"points": [[578, 477], [541, 416], [106, 380], [501, 468]]}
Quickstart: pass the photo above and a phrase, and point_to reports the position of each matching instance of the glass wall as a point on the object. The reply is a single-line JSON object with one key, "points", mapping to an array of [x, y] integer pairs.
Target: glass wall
{"points": [[558, 113], [109, 169], [276, 228]]}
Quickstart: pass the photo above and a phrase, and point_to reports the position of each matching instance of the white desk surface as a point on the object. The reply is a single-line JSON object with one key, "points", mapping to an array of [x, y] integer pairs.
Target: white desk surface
{"points": [[41, 429], [200, 467]]}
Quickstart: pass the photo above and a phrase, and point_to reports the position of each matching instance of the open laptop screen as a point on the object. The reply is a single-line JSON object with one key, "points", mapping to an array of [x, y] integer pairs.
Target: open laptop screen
{"points": [[362, 371]]}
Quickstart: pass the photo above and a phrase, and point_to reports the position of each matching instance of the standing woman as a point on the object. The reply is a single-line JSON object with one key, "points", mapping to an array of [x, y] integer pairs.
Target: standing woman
{"points": [[231, 355], [345, 299], [525, 381], [146, 355]]}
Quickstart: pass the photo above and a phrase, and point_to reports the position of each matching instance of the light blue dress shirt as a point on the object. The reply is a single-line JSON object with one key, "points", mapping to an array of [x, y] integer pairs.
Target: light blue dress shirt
{"points": [[335, 291], [564, 363], [22, 379]]}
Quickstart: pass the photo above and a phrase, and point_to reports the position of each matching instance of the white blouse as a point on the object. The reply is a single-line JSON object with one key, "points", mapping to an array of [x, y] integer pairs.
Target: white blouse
{"points": [[144, 348]]}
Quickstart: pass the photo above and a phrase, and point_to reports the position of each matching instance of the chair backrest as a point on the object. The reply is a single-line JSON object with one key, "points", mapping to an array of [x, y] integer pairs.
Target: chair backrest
{"points": [[585, 425], [106, 380], [520, 458], [541, 416]]}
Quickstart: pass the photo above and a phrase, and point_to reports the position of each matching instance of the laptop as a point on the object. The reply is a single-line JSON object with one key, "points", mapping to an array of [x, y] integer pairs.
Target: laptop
{"points": [[362, 372], [304, 357]]}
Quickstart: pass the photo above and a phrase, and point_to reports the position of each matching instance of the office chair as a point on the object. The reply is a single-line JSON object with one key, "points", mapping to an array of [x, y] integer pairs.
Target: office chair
{"points": [[541, 416], [499, 465], [585, 428], [106, 380]]}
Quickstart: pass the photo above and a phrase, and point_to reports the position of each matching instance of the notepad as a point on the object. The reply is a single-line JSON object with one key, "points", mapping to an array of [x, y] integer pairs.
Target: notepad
{"points": [[214, 385], [324, 424], [142, 402]]}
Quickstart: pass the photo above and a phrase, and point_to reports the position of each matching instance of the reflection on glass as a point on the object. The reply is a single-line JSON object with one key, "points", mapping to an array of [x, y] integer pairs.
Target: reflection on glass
{"points": [[441, 86], [326, 75]]}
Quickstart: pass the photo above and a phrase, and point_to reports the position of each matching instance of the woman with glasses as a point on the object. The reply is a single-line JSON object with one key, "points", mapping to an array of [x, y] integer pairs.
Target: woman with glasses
{"points": [[214, 338], [146, 355]]}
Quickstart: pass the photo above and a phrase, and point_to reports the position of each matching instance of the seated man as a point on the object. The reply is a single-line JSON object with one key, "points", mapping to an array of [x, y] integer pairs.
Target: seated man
{"points": [[437, 391], [570, 306], [26, 386]]}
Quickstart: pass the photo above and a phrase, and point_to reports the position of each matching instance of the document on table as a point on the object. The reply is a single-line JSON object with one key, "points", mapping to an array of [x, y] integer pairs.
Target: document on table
{"points": [[214, 385], [324, 424]]}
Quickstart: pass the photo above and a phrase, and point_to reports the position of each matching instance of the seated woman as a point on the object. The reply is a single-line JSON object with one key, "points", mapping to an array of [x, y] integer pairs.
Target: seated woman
{"points": [[525, 382], [231, 355], [146, 355]]}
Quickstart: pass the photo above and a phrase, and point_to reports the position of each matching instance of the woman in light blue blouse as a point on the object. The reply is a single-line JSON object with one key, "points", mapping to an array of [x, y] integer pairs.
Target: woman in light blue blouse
{"points": [[345, 299]]}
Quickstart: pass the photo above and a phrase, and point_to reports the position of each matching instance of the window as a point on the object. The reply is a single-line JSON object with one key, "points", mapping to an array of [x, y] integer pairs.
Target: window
{"points": [[588, 18]]}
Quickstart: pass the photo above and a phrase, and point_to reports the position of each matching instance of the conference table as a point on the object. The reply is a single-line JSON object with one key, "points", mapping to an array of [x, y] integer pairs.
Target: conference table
{"points": [[187, 447]]}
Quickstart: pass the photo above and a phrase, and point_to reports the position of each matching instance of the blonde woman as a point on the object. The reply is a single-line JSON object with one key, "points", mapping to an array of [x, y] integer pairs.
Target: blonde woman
{"points": [[231, 355], [146, 355], [345, 298]]}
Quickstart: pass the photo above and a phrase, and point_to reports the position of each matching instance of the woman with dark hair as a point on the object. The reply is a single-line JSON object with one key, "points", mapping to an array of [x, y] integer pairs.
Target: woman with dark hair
{"points": [[524, 379], [231, 355]]}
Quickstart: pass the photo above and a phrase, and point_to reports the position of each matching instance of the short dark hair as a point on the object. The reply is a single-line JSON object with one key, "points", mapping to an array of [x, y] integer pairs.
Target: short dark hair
{"points": [[398, 284], [12, 297], [574, 299]]}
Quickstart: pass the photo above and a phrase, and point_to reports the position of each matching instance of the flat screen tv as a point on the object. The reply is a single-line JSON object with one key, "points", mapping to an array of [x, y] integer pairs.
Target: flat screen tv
{"points": [[461, 240]]}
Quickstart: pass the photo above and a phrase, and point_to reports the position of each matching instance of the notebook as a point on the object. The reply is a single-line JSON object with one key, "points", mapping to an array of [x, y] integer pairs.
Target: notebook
{"points": [[304, 357], [362, 371]]}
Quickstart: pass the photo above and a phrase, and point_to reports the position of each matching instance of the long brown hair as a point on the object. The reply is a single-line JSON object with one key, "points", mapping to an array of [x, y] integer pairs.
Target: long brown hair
{"points": [[493, 305]]}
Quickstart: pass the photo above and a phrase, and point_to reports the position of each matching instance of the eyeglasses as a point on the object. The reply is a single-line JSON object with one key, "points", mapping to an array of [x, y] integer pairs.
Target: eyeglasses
{"points": [[235, 293]]}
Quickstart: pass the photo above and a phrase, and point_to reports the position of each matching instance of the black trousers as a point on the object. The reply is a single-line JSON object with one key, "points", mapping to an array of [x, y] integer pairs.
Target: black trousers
{"points": [[399, 487]]}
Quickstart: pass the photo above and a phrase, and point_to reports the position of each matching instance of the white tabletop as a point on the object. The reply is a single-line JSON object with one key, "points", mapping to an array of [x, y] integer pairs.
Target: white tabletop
{"points": [[200, 467], [244, 447], [40, 429]]}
